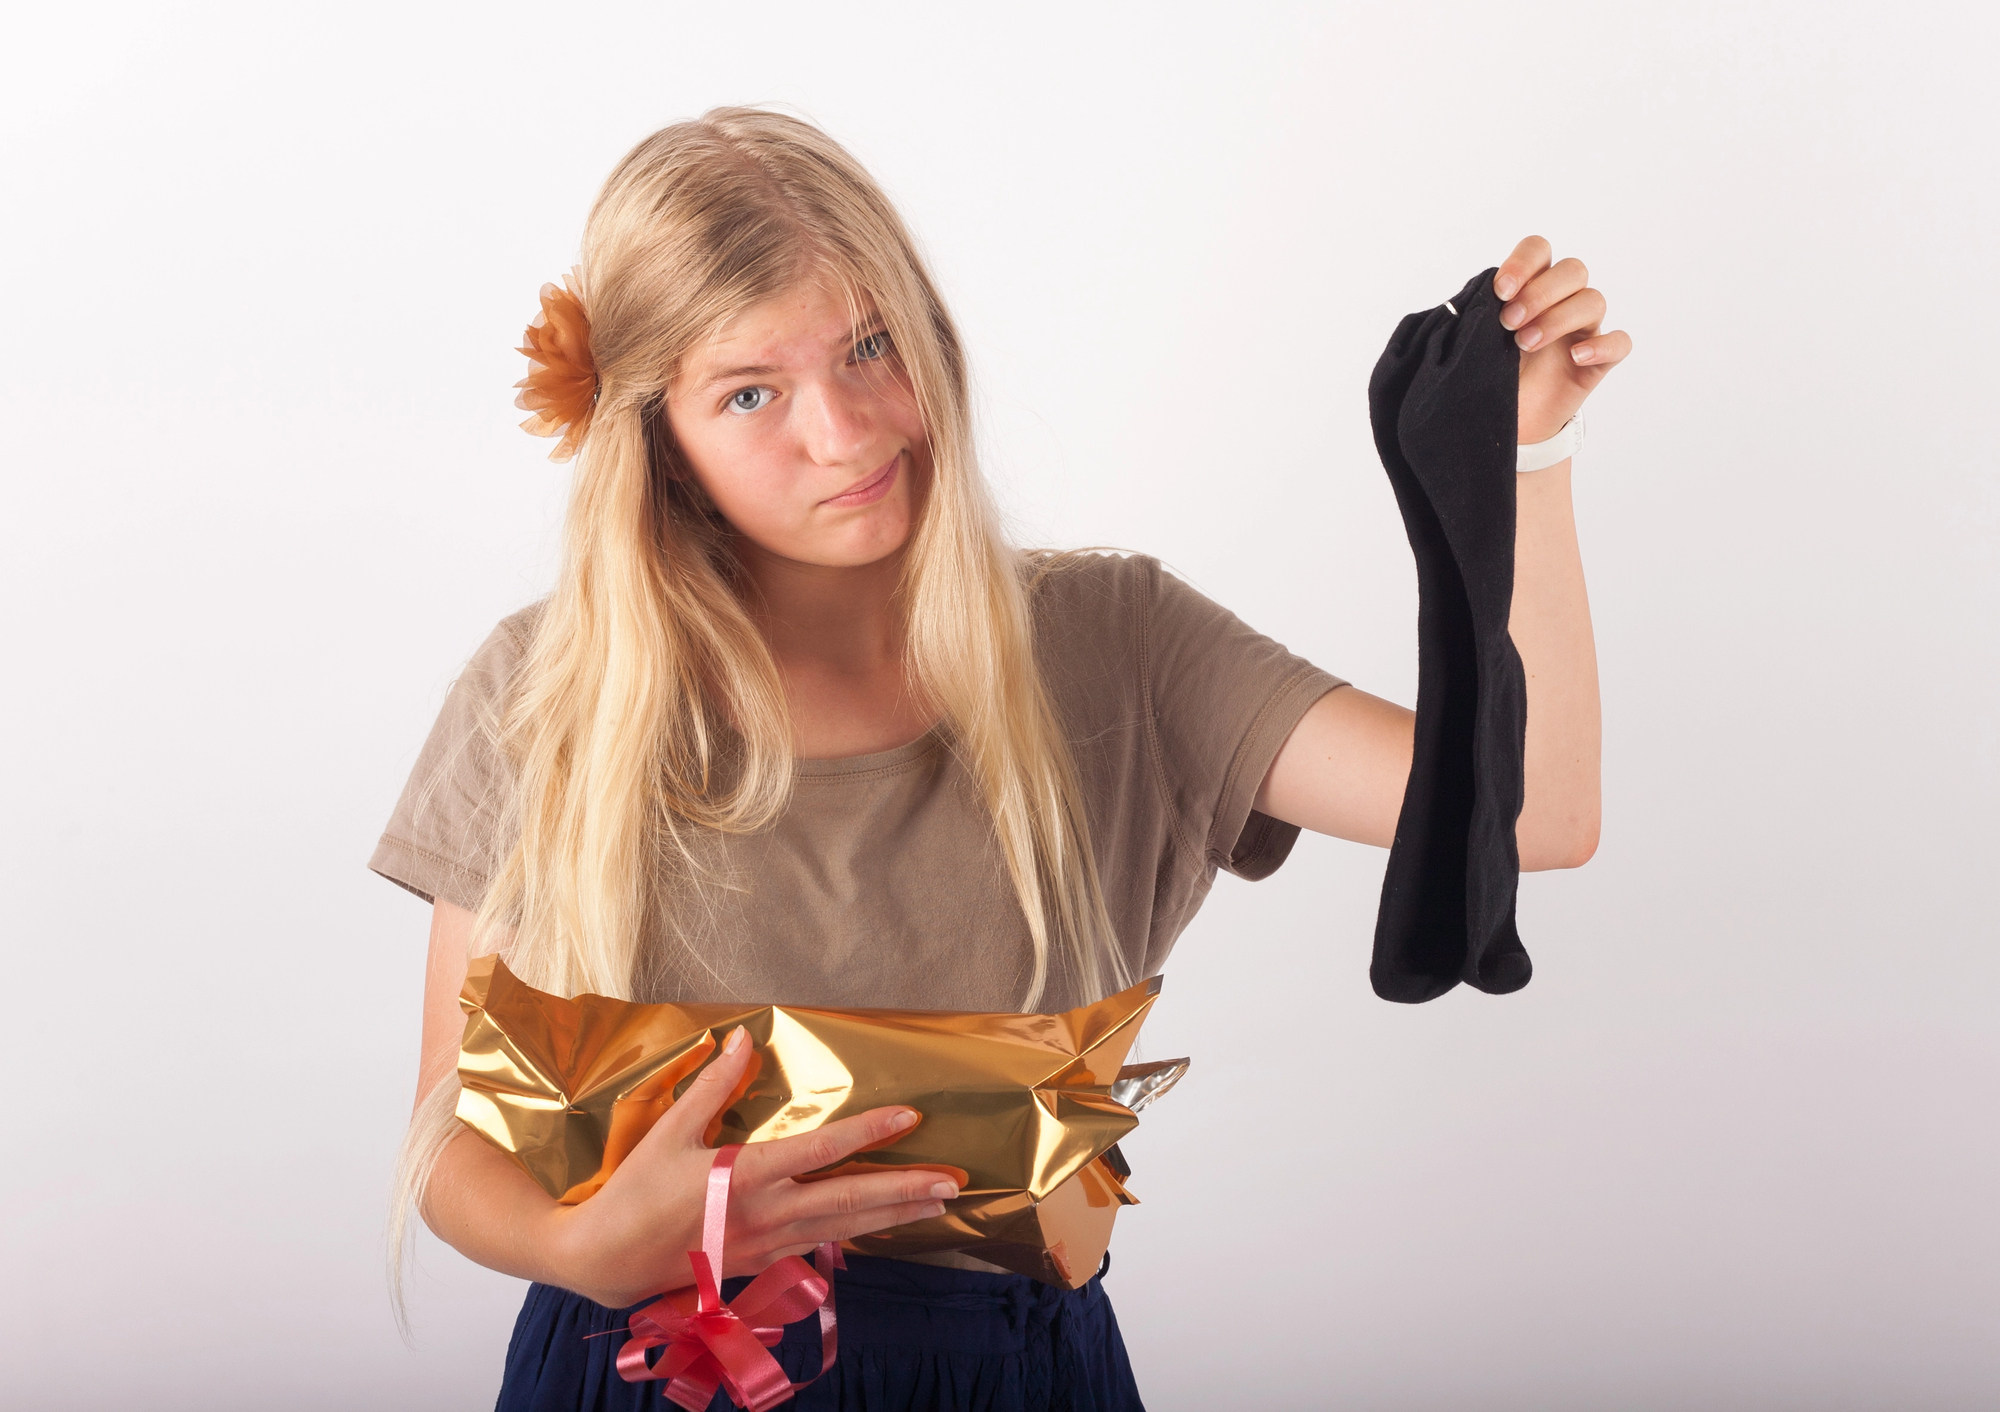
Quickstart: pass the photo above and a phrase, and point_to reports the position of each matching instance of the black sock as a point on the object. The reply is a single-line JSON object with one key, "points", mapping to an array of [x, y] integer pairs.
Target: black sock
{"points": [[1443, 401]]}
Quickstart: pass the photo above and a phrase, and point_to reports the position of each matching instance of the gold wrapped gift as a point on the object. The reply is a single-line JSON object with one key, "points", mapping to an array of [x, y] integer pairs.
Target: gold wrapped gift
{"points": [[1024, 1111]]}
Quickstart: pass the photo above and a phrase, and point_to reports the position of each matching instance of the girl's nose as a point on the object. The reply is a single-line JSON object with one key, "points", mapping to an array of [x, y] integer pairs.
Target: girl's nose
{"points": [[837, 426]]}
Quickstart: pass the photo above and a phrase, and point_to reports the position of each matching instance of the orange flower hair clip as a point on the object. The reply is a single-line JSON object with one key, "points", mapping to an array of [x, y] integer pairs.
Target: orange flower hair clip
{"points": [[561, 386]]}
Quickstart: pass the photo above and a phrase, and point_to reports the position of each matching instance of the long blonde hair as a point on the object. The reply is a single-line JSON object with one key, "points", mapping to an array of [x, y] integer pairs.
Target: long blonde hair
{"points": [[648, 713]]}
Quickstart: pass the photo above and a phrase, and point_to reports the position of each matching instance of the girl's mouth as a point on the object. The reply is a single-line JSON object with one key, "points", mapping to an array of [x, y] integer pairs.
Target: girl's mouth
{"points": [[870, 490]]}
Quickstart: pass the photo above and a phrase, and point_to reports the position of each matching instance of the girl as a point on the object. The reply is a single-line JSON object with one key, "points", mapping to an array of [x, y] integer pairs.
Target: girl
{"points": [[798, 725]]}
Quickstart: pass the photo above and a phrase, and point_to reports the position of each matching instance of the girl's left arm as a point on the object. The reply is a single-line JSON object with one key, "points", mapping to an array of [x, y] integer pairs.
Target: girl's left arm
{"points": [[1343, 768]]}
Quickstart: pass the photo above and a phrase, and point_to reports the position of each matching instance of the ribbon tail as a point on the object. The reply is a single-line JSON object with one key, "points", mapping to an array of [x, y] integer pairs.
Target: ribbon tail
{"points": [[829, 1259]]}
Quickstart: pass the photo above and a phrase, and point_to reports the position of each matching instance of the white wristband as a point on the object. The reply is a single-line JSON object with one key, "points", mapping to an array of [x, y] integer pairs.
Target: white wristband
{"points": [[1560, 447]]}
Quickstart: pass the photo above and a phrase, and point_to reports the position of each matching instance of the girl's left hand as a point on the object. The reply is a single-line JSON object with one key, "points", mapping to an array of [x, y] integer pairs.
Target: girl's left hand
{"points": [[1554, 314]]}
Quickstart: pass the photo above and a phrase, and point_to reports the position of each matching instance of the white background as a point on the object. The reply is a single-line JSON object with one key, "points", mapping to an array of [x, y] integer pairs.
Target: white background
{"points": [[1734, 1148]]}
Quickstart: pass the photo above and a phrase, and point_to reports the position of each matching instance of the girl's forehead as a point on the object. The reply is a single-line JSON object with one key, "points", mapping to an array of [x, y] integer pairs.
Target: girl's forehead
{"points": [[803, 324]]}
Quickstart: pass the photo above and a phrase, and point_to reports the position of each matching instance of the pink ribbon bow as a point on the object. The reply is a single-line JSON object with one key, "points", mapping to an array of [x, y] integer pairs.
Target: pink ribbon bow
{"points": [[728, 1345]]}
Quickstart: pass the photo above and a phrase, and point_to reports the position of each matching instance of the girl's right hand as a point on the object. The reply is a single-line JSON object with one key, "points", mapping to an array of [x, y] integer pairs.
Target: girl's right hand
{"points": [[631, 1239]]}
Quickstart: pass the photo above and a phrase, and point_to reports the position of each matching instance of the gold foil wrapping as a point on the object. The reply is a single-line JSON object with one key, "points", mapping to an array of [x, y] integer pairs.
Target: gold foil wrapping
{"points": [[1019, 1108]]}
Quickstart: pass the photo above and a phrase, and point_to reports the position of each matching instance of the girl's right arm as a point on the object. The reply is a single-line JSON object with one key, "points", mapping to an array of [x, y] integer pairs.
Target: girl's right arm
{"points": [[630, 1241]]}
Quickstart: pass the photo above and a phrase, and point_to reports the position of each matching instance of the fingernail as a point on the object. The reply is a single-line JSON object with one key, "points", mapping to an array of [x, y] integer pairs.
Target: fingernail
{"points": [[735, 1040], [905, 1119], [934, 1210], [1583, 353], [1513, 316], [945, 1190], [1530, 338], [1505, 286]]}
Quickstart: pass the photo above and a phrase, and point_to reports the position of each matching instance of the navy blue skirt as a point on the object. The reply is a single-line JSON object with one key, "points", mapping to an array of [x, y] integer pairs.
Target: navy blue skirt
{"points": [[911, 1337]]}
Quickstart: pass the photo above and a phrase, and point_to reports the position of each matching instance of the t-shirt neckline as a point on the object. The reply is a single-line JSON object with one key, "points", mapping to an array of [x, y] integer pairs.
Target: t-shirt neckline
{"points": [[880, 760]]}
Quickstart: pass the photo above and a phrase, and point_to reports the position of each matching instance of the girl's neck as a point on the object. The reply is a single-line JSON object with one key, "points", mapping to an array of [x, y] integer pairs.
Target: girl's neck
{"points": [[838, 642]]}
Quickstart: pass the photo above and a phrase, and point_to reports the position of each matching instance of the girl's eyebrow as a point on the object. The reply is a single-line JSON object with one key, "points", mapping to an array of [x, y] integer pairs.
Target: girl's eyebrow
{"points": [[751, 371], [864, 329]]}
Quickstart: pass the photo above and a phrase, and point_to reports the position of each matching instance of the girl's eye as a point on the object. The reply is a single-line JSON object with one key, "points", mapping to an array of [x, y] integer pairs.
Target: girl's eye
{"points": [[751, 399], [871, 347]]}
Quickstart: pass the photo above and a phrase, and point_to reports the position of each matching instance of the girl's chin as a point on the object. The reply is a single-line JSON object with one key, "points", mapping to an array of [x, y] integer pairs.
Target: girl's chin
{"points": [[866, 539], [864, 556], [846, 551]]}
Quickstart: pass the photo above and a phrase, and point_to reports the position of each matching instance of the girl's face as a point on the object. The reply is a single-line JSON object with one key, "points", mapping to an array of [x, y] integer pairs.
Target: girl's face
{"points": [[802, 427]]}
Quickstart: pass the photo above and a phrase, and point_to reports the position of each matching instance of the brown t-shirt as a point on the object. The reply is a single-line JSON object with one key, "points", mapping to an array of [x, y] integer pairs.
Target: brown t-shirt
{"points": [[882, 884]]}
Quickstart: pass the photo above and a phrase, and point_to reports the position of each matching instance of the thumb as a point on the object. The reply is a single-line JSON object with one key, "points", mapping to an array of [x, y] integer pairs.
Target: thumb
{"points": [[713, 1090]]}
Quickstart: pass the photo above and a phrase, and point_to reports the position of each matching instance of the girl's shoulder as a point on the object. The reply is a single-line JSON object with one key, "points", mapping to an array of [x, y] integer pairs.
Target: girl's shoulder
{"points": [[1109, 597], [1103, 615], [1082, 586], [1091, 610], [517, 630], [490, 671]]}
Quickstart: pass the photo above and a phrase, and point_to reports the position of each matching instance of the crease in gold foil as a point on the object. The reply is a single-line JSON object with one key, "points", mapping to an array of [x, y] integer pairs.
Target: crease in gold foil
{"points": [[1021, 1106]]}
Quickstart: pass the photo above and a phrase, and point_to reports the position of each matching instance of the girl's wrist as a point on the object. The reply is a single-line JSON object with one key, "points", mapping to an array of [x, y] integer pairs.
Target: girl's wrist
{"points": [[586, 1258], [1552, 450]]}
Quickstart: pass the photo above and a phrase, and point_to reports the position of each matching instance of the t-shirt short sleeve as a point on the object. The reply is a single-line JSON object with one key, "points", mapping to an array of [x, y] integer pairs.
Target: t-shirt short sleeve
{"points": [[1223, 700], [444, 839]]}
